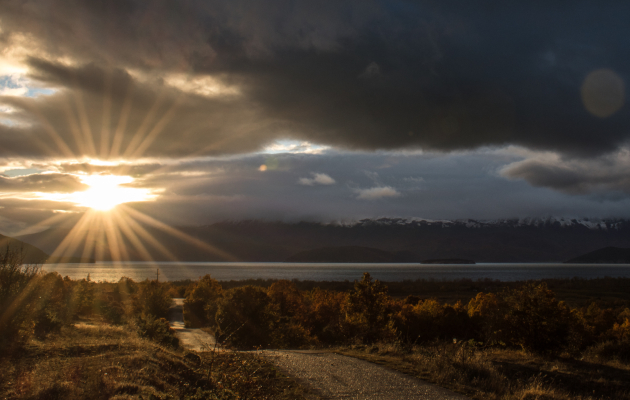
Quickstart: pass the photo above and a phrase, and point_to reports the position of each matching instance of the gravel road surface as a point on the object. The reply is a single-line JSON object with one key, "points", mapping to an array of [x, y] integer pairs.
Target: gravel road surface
{"points": [[192, 339], [333, 376]]}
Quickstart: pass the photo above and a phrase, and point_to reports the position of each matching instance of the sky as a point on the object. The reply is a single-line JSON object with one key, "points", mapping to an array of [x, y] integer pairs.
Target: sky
{"points": [[196, 111]]}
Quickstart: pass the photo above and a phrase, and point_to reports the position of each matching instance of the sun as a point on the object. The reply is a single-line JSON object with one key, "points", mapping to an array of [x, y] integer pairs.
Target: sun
{"points": [[105, 192]]}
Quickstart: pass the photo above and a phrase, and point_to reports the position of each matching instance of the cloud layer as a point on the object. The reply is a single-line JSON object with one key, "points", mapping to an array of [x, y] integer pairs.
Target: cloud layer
{"points": [[210, 77], [397, 108]]}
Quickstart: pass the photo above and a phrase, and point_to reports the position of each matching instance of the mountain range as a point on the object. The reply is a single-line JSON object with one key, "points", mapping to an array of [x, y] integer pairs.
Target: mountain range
{"points": [[510, 240]]}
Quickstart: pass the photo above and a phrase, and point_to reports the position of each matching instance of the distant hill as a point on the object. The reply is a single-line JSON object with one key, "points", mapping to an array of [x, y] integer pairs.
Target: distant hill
{"points": [[518, 240], [32, 255], [348, 254], [607, 255]]}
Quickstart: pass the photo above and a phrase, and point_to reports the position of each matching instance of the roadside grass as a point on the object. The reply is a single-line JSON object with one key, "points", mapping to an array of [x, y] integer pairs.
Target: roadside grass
{"points": [[502, 374], [93, 360]]}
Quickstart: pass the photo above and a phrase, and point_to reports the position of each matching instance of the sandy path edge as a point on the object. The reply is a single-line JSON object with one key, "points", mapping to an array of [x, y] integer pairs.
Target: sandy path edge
{"points": [[334, 376]]}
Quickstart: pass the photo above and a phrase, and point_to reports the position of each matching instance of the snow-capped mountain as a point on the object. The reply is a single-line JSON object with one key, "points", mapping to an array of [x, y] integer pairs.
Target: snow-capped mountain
{"points": [[411, 239]]}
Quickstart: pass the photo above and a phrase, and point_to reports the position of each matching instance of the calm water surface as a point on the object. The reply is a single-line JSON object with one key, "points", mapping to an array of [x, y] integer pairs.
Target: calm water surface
{"points": [[108, 271]]}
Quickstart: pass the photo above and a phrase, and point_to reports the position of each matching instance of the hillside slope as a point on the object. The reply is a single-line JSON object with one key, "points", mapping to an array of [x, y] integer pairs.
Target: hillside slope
{"points": [[607, 255], [32, 255], [550, 240]]}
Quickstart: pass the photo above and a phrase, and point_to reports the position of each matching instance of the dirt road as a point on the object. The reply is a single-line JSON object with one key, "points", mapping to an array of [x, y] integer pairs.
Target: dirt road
{"points": [[192, 339], [333, 376], [327, 375]]}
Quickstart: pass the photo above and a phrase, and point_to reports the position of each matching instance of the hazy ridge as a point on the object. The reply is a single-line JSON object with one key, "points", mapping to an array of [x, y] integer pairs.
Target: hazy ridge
{"points": [[524, 240]]}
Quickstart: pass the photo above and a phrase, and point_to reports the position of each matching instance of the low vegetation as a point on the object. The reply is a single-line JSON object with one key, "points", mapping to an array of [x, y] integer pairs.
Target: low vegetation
{"points": [[516, 342], [63, 338], [79, 339], [94, 360]]}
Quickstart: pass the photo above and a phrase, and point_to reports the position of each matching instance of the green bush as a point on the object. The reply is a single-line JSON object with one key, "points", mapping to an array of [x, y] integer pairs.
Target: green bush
{"points": [[46, 321], [18, 294], [158, 330], [82, 300], [154, 299], [201, 304]]}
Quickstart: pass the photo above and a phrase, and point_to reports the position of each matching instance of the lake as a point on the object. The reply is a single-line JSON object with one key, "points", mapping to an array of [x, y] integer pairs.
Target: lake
{"points": [[138, 271]]}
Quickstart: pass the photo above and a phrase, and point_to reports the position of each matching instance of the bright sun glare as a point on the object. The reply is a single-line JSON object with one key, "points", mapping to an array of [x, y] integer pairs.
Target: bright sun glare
{"points": [[106, 193]]}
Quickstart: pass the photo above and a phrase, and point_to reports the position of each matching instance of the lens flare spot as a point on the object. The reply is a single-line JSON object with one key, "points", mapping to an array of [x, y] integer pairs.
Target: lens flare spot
{"points": [[603, 93]]}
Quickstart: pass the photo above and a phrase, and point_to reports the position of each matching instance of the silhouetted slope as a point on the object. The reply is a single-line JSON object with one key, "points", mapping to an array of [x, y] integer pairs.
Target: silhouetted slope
{"points": [[607, 255], [350, 254], [32, 255]]}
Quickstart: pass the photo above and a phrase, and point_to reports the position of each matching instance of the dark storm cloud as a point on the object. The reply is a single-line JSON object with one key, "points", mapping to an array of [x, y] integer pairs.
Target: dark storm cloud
{"points": [[123, 169], [47, 183], [355, 74], [602, 176], [107, 113]]}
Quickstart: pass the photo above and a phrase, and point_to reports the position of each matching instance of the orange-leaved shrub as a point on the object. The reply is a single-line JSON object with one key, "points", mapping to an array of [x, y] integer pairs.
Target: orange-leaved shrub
{"points": [[245, 317], [201, 304], [368, 310], [429, 320]]}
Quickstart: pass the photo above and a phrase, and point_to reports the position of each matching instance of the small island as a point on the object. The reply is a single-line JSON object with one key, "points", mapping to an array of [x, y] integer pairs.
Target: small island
{"points": [[448, 261]]}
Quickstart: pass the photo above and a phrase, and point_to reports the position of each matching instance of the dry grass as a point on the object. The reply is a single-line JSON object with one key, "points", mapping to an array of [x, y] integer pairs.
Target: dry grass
{"points": [[500, 374], [98, 361]]}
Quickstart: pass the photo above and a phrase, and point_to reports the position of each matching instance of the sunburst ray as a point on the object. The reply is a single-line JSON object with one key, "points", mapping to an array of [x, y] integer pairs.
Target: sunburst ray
{"points": [[178, 234]]}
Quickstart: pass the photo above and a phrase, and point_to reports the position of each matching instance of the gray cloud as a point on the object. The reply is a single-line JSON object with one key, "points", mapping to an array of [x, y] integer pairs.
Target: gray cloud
{"points": [[441, 76], [459, 185], [375, 193], [575, 176], [50, 183], [109, 114], [317, 179]]}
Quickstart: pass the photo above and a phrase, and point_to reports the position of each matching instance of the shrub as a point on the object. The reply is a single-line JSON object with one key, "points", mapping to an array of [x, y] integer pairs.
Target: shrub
{"points": [[287, 299], [429, 320], [17, 298], [368, 306], [535, 319], [201, 304], [46, 321], [325, 315], [82, 301], [157, 329], [610, 350], [622, 331], [245, 317], [154, 299]]}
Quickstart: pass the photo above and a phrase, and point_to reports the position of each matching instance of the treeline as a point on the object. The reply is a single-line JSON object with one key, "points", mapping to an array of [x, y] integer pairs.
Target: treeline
{"points": [[576, 291], [34, 303], [527, 316], [292, 314]]}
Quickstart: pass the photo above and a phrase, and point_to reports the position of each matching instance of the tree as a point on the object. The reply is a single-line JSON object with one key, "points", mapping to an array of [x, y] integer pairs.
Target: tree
{"points": [[367, 309], [154, 299], [535, 319], [245, 317], [18, 291], [200, 306]]}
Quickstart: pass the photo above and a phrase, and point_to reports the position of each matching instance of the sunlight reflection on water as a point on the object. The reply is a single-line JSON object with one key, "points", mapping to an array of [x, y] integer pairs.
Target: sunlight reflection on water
{"points": [[108, 271]]}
